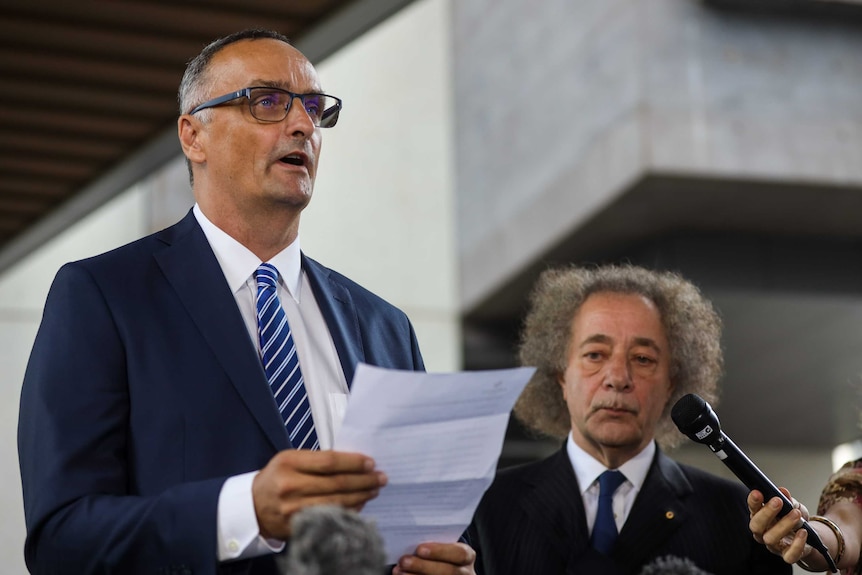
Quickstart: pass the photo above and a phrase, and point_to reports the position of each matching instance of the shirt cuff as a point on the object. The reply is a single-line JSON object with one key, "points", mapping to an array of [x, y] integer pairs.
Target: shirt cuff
{"points": [[238, 532]]}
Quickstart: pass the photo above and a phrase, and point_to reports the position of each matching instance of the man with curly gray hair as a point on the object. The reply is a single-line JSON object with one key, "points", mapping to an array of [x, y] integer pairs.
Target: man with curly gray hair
{"points": [[614, 348]]}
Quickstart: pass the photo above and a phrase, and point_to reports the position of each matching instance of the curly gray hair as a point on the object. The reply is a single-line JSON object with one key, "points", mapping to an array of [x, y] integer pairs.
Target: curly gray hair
{"points": [[328, 539], [691, 324]]}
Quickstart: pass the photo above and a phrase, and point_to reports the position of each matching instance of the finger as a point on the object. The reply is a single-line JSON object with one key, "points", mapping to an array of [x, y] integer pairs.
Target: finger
{"points": [[342, 484], [452, 553], [438, 559], [794, 502], [768, 529], [755, 501], [413, 565], [763, 518], [785, 526], [324, 462], [284, 481], [796, 550], [347, 490], [353, 501]]}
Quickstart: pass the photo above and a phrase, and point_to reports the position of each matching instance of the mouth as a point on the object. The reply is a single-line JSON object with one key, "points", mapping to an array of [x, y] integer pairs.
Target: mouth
{"points": [[294, 159], [615, 410]]}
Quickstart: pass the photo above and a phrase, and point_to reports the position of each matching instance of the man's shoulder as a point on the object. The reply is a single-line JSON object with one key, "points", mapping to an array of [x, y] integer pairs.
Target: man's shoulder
{"points": [[701, 479], [133, 251], [517, 476], [320, 273], [131, 265], [538, 481]]}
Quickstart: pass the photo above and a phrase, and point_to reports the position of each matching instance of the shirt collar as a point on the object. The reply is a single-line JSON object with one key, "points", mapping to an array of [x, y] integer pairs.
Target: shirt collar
{"points": [[238, 263], [587, 468]]}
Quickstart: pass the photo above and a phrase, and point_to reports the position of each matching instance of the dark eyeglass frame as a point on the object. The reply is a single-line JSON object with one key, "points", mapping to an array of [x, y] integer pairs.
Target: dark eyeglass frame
{"points": [[328, 117]]}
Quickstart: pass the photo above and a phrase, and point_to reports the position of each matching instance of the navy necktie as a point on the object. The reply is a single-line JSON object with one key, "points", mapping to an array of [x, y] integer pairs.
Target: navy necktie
{"points": [[605, 529], [281, 363]]}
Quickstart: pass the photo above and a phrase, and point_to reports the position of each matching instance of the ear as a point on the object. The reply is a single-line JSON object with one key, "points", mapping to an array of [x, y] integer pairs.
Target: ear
{"points": [[671, 389], [190, 134], [671, 386], [561, 379]]}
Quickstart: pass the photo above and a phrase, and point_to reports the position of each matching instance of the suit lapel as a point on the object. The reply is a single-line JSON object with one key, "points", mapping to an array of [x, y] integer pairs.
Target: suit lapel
{"points": [[658, 512], [188, 265], [555, 507], [339, 313]]}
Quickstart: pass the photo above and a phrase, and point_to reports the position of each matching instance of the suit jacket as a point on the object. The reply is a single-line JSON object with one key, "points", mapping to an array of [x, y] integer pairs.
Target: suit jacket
{"points": [[532, 521], [144, 393]]}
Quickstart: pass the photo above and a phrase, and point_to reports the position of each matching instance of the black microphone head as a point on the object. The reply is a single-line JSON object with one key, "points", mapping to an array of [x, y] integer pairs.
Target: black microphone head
{"points": [[696, 419], [671, 565]]}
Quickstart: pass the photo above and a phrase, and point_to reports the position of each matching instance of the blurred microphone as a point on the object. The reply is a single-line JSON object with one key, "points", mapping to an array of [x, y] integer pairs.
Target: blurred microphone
{"points": [[670, 565], [696, 419], [330, 540]]}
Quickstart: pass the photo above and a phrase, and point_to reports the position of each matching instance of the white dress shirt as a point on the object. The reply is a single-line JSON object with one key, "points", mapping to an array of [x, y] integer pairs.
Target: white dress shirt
{"points": [[238, 534], [587, 470]]}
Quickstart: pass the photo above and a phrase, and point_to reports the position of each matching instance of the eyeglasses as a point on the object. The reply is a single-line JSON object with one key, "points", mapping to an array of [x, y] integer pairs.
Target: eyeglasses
{"points": [[273, 104]]}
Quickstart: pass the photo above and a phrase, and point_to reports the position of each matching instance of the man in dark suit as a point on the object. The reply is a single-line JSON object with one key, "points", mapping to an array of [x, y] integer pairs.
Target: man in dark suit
{"points": [[614, 347], [150, 438]]}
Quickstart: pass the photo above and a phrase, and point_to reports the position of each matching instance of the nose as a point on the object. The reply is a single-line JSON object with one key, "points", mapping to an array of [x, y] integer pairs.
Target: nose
{"points": [[298, 122], [618, 374]]}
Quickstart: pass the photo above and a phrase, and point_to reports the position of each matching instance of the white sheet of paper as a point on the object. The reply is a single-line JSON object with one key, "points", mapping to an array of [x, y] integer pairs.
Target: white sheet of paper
{"points": [[438, 437]]}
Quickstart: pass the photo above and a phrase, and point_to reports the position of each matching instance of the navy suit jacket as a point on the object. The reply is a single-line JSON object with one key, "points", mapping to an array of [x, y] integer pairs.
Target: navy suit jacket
{"points": [[532, 521], [144, 393]]}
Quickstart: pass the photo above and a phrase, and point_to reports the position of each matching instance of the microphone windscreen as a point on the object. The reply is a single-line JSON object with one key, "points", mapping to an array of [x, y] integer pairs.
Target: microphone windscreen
{"points": [[671, 565], [327, 540], [687, 410], [696, 419]]}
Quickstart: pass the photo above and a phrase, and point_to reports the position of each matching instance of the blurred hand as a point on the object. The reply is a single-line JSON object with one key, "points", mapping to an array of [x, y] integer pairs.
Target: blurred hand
{"points": [[438, 559], [295, 479]]}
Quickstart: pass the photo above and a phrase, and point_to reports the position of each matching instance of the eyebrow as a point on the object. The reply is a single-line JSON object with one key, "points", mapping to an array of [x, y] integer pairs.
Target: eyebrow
{"points": [[281, 86], [596, 338], [606, 339]]}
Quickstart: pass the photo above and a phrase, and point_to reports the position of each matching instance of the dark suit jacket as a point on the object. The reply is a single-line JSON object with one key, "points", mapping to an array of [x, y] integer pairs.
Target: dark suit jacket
{"points": [[531, 521], [144, 392]]}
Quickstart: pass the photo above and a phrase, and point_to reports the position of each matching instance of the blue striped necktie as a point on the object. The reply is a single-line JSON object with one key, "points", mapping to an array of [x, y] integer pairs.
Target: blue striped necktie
{"points": [[605, 528], [281, 363]]}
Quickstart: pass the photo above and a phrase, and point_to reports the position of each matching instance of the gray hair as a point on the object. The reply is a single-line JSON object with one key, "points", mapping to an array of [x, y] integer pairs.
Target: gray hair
{"points": [[328, 540], [690, 322], [196, 84]]}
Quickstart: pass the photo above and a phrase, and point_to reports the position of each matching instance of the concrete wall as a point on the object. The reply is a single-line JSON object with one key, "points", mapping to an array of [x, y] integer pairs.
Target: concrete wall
{"points": [[382, 214], [563, 105], [384, 201]]}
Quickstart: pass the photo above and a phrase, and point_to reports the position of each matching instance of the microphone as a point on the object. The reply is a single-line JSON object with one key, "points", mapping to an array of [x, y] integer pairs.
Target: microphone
{"points": [[671, 565], [328, 539], [696, 419]]}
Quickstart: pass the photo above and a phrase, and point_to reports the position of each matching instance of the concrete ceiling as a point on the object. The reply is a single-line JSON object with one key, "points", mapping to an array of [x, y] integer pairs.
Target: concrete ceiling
{"points": [[89, 87]]}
